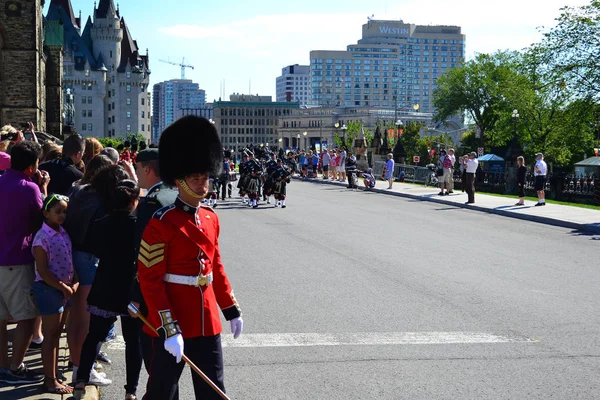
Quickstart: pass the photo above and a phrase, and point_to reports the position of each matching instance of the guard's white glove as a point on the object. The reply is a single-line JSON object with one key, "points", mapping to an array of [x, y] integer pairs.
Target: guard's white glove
{"points": [[237, 326], [174, 345]]}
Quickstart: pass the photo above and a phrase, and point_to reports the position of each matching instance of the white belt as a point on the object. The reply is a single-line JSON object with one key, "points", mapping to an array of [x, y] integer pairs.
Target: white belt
{"points": [[197, 281]]}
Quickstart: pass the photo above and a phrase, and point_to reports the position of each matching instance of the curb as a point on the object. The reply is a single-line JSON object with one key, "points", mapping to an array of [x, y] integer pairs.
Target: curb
{"points": [[91, 393], [590, 228]]}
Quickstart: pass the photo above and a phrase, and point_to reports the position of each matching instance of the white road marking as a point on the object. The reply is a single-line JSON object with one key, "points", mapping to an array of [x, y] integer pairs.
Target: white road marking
{"points": [[356, 339], [368, 339]]}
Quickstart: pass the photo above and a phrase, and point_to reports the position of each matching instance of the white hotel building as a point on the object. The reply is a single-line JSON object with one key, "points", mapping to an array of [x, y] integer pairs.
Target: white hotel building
{"points": [[394, 65]]}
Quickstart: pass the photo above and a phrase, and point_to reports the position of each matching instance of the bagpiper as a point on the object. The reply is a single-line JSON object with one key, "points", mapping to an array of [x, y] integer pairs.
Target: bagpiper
{"points": [[281, 177], [244, 177], [270, 167], [181, 275], [255, 171]]}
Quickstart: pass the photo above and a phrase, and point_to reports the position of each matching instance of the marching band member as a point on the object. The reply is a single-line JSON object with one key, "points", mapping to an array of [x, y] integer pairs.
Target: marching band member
{"points": [[281, 176]]}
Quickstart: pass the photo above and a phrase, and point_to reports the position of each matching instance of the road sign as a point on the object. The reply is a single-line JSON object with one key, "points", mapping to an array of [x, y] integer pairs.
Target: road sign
{"points": [[480, 152], [416, 159]]}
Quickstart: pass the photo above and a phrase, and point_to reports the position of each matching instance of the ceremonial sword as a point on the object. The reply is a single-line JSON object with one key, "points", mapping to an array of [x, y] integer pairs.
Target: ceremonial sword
{"points": [[189, 362]]}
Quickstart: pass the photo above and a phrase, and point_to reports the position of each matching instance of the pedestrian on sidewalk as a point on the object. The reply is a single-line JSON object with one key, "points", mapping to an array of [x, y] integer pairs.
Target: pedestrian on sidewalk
{"points": [[21, 189], [540, 172], [452, 158], [85, 207], [326, 160], [389, 170], [463, 172], [521, 173], [471, 164], [54, 285], [115, 247]]}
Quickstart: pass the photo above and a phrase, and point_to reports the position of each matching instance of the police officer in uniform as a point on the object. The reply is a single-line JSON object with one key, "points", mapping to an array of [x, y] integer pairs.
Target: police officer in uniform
{"points": [[181, 275]]}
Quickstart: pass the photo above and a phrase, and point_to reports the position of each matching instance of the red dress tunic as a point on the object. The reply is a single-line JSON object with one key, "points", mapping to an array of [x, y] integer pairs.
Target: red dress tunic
{"points": [[183, 240]]}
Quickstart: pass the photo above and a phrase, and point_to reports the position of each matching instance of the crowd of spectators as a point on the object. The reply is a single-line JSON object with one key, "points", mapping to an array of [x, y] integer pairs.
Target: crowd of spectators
{"points": [[68, 255]]}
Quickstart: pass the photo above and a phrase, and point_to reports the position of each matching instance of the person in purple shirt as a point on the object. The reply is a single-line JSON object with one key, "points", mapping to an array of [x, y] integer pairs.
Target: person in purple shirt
{"points": [[22, 188]]}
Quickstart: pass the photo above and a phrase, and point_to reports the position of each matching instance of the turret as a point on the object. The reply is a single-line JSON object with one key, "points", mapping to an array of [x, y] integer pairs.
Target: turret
{"points": [[107, 33]]}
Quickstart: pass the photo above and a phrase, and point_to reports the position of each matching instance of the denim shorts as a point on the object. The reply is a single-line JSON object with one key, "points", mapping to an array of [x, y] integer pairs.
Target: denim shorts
{"points": [[49, 300], [85, 265]]}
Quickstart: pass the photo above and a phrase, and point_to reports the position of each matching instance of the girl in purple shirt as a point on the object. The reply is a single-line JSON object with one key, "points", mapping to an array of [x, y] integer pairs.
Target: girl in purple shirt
{"points": [[54, 284]]}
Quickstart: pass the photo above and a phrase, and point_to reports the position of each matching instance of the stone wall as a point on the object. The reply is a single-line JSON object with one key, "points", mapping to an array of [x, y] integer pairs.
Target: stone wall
{"points": [[22, 63], [54, 92]]}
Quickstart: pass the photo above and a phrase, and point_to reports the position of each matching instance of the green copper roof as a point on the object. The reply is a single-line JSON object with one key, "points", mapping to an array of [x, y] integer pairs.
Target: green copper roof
{"points": [[53, 33]]}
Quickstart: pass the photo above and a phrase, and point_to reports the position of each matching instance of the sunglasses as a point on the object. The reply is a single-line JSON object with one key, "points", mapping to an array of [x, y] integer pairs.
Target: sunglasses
{"points": [[57, 197]]}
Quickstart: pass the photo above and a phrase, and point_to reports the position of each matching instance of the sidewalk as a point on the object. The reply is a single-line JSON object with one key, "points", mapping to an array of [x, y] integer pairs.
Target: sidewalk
{"points": [[33, 359], [581, 219]]}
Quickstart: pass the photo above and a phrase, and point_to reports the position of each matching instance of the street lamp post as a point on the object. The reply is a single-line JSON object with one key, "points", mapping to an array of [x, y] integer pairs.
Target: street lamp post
{"points": [[344, 129], [298, 142], [515, 117], [305, 133], [321, 136]]}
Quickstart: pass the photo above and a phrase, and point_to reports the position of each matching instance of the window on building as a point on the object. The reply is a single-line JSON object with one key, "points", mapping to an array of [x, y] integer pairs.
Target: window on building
{"points": [[129, 101], [113, 119], [84, 113], [90, 127], [143, 101], [89, 113], [143, 114], [89, 99], [128, 128], [128, 114], [109, 107], [83, 100], [129, 88], [128, 74], [84, 127], [109, 121], [143, 128]]}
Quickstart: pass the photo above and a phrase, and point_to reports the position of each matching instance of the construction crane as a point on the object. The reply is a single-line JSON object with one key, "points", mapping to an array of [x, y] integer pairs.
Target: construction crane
{"points": [[183, 66]]}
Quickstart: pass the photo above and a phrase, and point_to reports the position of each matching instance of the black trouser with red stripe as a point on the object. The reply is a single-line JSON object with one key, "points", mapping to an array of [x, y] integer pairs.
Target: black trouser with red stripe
{"points": [[164, 372]]}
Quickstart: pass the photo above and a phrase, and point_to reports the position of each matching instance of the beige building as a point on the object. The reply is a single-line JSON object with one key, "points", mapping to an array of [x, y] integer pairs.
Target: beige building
{"points": [[394, 65], [306, 128], [247, 119]]}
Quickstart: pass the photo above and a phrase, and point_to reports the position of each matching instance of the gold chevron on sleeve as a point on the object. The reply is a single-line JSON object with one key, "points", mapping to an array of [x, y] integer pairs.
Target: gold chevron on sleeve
{"points": [[149, 248], [150, 263], [151, 254]]}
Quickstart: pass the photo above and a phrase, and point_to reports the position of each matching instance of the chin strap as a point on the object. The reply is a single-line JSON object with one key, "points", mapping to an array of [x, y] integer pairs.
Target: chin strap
{"points": [[187, 189]]}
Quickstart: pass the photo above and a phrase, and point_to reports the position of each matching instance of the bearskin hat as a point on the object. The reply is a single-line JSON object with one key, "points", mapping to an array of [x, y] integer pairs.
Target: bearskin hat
{"points": [[190, 145]]}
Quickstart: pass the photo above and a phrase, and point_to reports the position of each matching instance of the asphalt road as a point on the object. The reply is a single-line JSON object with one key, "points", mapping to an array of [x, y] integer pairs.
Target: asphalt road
{"points": [[402, 299]]}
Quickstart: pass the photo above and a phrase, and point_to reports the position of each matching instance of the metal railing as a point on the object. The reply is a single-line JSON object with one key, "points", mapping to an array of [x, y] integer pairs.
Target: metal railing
{"points": [[412, 173]]}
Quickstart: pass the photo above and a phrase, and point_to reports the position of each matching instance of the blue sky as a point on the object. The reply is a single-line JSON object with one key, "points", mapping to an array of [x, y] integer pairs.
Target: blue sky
{"points": [[242, 41]]}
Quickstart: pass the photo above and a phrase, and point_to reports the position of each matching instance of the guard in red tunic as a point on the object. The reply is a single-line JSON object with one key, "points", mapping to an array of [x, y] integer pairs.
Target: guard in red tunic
{"points": [[181, 275]]}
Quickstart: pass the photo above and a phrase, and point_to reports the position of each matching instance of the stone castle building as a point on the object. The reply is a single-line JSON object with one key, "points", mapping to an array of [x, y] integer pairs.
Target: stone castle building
{"points": [[105, 78], [30, 69]]}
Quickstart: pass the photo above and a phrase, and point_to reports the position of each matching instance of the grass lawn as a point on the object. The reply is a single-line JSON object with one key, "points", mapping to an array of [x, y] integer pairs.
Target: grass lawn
{"points": [[562, 203], [514, 196]]}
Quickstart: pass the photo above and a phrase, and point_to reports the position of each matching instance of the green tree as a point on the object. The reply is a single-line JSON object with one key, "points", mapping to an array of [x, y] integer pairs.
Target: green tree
{"points": [[410, 139], [110, 142], [352, 133], [572, 48], [478, 89]]}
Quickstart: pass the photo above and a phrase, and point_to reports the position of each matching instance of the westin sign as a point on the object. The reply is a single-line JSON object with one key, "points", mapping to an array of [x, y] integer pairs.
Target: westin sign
{"points": [[393, 31]]}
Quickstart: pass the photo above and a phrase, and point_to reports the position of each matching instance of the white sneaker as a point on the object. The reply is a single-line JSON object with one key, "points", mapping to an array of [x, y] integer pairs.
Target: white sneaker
{"points": [[98, 380]]}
